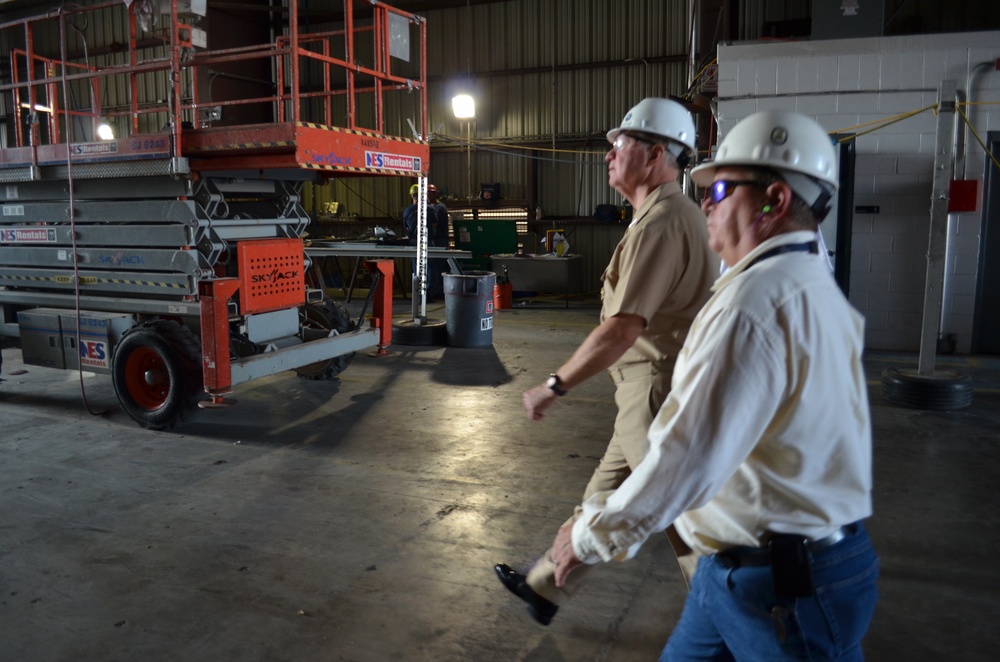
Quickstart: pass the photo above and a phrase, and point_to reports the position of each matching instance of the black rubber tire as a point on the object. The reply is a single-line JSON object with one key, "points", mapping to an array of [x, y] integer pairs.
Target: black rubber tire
{"points": [[943, 390], [317, 320], [169, 353], [431, 332]]}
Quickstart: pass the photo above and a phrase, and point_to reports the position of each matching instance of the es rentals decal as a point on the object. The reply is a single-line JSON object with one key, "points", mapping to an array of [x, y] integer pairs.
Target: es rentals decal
{"points": [[385, 161], [27, 235], [94, 350]]}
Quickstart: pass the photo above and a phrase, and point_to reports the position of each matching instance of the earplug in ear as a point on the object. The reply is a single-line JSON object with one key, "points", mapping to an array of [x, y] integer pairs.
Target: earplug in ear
{"points": [[766, 209]]}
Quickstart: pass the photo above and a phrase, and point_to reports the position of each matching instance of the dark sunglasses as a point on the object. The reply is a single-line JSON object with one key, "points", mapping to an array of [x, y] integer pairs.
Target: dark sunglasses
{"points": [[721, 189]]}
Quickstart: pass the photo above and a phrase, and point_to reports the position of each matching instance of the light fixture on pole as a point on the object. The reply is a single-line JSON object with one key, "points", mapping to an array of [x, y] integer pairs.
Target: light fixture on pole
{"points": [[464, 107]]}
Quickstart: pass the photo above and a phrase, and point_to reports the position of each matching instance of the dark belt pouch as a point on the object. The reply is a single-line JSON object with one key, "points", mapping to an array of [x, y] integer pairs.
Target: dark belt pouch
{"points": [[790, 566]]}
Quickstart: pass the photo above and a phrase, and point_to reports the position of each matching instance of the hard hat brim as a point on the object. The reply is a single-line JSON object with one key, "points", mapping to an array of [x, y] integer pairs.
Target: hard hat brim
{"points": [[704, 174]]}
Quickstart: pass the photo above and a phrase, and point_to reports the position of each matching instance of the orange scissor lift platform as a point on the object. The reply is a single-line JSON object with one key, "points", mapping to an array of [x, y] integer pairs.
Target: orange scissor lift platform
{"points": [[189, 222], [316, 78], [328, 150]]}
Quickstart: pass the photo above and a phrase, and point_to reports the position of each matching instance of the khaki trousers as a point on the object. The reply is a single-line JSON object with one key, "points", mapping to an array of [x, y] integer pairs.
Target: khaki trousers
{"points": [[640, 389]]}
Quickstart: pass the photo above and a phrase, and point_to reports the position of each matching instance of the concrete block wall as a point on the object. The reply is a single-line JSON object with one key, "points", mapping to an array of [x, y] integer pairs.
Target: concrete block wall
{"points": [[849, 86]]}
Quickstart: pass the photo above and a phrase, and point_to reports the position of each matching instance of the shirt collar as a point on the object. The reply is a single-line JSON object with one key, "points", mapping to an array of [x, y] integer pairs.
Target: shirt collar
{"points": [[797, 237], [659, 193]]}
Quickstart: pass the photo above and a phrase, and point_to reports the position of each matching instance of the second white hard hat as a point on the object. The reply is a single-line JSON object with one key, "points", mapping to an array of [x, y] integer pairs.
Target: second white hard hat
{"points": [[785, 141]]}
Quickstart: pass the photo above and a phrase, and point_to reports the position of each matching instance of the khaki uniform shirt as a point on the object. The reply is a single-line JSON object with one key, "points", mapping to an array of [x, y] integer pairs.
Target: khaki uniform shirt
{"points": [[662, 270]]}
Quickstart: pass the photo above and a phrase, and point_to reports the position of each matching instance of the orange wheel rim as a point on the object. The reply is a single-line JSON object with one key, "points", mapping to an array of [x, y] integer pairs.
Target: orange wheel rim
{"points": [[141, 362]]}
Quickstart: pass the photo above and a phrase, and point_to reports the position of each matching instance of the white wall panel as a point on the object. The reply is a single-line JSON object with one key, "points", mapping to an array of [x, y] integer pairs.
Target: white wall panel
{"points": [[867, 80]]}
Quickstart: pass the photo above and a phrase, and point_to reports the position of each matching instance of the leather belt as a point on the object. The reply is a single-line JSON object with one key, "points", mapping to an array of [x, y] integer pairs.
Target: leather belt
{"points": [[737, 557]]}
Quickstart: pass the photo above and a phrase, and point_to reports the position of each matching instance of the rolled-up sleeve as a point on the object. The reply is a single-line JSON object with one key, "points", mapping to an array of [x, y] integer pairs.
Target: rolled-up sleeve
{"points": [[727, 386]]}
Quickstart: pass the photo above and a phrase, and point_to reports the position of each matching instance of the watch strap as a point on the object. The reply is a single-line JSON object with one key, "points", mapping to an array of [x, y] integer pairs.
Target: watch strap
{"points": [[555, 384]]}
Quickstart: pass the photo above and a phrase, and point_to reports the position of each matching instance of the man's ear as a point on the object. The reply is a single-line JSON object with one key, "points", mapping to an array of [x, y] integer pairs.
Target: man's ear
{"points": [[656, 152], [779, 199]]}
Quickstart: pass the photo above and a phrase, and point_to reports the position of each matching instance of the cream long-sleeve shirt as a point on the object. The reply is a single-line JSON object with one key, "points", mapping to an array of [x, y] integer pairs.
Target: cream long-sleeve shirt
{"points": [[766, 427]]}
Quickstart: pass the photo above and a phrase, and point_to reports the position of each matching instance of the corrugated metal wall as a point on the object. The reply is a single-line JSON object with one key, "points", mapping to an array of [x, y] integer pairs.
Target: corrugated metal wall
{"points": [[550, 77], [555, 75]]}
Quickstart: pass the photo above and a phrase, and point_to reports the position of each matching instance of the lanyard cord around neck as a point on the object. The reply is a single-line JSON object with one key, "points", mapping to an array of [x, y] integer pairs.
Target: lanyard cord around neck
{"points": [[806, 247]]}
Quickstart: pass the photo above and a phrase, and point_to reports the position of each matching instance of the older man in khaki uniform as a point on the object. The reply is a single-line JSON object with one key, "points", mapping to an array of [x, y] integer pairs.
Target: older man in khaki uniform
{"points": [[657, 281]]}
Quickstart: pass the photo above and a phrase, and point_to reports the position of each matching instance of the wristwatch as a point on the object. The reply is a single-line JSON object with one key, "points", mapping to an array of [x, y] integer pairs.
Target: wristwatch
{"points": [[554, 383]]}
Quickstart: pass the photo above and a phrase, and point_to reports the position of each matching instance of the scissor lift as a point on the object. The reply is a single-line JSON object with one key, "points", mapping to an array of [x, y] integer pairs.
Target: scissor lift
{"points": [[172, 256]]}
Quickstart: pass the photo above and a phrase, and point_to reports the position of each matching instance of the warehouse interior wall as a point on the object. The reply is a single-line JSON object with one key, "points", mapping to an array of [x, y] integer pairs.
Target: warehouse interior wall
{"points": [[884, 90], [550, 79]]}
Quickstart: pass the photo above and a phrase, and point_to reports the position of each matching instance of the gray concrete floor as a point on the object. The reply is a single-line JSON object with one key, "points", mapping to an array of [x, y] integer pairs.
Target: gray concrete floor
{"points": [[359, 519]]}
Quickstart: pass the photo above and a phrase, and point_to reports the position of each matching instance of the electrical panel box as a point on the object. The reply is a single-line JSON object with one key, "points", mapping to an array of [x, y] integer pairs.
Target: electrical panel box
{"points": [[847, 19], [963, 196], [49, 338], [485, 238]]}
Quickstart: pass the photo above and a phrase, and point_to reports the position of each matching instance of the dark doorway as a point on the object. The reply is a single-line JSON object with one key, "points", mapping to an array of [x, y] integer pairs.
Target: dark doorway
{"points": [[986, 316], [844, 210]]}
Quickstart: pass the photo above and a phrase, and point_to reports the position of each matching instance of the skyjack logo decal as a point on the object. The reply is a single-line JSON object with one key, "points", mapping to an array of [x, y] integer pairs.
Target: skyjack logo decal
{"points": [[32, 236], [274, 277], [385, 161], [120, 259]]}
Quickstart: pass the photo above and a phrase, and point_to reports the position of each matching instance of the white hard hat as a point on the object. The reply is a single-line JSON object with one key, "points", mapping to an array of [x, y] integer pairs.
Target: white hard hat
{"points": [[788, 142], [662, 118]]}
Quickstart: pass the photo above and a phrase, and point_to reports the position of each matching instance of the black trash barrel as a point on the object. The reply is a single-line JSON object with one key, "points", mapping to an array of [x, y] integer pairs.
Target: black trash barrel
{"points": [[468, 307]]}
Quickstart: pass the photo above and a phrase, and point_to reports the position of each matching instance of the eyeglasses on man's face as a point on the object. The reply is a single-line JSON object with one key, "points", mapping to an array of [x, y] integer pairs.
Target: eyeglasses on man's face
{"points": [[721, 189], [619, 142]]}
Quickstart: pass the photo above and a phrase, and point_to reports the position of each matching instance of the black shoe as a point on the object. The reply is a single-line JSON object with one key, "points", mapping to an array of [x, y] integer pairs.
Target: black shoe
{"points": [[540, 608]]}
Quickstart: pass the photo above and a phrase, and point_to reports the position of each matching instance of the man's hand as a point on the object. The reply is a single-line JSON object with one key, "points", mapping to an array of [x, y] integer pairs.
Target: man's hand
{"points": [[537, 400], [563, 555]]}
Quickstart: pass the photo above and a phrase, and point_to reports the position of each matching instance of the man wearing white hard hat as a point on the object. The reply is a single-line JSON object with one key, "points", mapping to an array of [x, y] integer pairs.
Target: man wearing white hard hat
{"points": [[761, 455], [657, 281]]}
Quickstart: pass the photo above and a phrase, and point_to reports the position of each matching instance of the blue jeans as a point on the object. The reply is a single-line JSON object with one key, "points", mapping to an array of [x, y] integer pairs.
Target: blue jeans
{"points": [[435, 278], [732, 613]]}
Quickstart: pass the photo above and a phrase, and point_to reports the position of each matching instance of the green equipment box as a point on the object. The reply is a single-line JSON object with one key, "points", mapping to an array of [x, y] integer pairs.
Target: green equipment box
{"points": [[484, 239]]}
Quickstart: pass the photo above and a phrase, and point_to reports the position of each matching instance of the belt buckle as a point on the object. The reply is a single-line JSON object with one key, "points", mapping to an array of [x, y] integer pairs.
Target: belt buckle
{"points": [[828, 541]]}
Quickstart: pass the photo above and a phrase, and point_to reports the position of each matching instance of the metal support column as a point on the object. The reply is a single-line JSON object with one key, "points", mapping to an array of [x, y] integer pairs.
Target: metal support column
{"points": [[925, 387], [944, 165], [419, 289]]}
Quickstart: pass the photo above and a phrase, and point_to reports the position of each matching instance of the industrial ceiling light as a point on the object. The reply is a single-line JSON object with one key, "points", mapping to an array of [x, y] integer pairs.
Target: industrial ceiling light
{"points": [[104, 131], [39, 107], [464, 106]]}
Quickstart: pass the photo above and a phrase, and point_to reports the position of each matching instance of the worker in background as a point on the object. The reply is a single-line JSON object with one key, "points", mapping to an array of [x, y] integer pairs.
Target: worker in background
{"points": [[762, 453], [437, 235], [657, 281]]}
